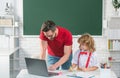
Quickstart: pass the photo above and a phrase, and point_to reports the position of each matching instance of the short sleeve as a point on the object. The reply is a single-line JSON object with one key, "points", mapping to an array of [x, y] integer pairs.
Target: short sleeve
{"points": [[75, 57], [68, 39], [42, 36], [94, 60]]}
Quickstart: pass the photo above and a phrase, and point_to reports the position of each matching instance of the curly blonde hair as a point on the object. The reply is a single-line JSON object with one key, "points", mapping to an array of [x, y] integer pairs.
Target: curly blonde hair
{"points": [[88, 40]]}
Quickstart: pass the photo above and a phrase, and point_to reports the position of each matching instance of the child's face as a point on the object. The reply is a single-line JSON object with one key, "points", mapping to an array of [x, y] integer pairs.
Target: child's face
{"points": [[84, 47]]}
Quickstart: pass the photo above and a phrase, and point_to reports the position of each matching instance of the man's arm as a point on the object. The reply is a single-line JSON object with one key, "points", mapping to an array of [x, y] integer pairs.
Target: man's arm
{"points": [[43, 47], [67, 52]]}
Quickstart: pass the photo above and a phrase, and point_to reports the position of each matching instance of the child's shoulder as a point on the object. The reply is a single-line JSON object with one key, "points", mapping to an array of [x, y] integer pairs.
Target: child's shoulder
{"points": [[77, 51]]}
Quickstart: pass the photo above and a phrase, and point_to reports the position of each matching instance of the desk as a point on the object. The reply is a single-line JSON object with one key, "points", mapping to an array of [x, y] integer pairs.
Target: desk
{"points": [[24, 74]]}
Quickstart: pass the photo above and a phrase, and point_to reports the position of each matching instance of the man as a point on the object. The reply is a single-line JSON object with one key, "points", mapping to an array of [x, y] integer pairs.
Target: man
{"points": [[58, 42]]}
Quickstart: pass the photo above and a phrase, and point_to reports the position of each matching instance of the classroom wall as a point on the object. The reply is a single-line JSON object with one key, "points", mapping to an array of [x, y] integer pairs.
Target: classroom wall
{"points": [[101, 42], [29, 46], [33, 50]]}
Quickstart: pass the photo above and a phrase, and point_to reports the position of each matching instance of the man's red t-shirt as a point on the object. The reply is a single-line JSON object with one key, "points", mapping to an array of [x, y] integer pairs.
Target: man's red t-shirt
{"points": [[56, 46]]}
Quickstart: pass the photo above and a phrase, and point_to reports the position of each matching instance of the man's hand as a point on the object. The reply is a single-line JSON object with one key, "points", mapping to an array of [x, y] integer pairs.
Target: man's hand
{"points": [[52, 67]]}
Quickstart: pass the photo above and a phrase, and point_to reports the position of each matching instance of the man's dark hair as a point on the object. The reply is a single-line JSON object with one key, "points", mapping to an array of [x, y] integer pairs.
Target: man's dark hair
{"points": [[48, 25]]}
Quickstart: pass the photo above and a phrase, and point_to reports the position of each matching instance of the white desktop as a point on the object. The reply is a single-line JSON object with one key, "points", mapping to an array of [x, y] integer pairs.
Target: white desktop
{"points": [[66, 74]]}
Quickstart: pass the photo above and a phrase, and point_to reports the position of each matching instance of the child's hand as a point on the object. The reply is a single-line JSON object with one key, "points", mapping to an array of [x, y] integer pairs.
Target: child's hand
{"points": [[79, 69], [85, 69], [71, 69]]}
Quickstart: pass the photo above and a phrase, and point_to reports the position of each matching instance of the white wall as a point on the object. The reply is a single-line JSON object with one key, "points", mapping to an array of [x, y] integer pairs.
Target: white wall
{"points": [[30, 45]]}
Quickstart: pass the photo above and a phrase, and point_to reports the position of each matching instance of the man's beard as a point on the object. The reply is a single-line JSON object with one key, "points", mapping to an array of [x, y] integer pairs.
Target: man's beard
{"points": [[51, 39]]}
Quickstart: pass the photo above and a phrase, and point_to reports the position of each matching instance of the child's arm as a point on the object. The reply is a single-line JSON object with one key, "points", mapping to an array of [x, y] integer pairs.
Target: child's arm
{"points": [[89, 69], [72, 67]]}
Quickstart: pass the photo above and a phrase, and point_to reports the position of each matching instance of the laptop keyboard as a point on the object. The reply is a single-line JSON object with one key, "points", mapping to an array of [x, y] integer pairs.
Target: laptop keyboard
{"points": [[52, 73]]}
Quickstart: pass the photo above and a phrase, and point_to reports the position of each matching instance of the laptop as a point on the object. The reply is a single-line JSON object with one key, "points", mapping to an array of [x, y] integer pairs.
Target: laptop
{"points": [[38, 67]]}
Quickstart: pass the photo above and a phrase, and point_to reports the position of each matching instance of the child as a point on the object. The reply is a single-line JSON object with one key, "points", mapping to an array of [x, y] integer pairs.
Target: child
{"points": [[84, 59]]}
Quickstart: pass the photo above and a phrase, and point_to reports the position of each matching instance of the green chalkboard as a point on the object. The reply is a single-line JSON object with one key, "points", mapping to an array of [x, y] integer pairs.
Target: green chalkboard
{"points": [[79, 16]]}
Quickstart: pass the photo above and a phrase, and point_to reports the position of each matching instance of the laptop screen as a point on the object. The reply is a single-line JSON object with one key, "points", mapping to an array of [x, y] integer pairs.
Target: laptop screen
{"points": [[37, 67]]}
